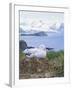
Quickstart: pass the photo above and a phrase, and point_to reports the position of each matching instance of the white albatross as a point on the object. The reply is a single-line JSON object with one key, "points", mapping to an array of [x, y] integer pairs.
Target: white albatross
{"points": [[39, 52]]}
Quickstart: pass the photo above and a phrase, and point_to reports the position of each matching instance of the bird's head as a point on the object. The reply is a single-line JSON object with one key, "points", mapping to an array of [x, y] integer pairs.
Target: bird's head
{"points": [[42, 46]]}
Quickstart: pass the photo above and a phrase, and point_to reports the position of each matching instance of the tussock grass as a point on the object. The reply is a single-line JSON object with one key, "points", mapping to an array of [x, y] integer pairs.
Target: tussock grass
{"points": [[51, 66], [55, 54]]}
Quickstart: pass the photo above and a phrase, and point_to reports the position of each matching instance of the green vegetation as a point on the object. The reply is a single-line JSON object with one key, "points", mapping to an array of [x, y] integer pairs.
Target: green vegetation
{"points": [[51, 66], [56, 59], [21, 56], [53, 54]]}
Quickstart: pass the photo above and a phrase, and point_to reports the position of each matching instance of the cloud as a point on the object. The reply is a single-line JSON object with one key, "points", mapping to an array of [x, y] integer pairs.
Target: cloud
{"points": [[54, 30], [38, 26]]}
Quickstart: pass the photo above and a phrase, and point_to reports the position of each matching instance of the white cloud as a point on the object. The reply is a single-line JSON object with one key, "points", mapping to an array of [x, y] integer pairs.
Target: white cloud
{"points": [[41, 26], [40, 21]]}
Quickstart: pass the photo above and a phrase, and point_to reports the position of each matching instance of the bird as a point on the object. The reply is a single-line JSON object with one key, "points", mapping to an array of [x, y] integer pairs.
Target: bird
{"points": [[38, 52]]}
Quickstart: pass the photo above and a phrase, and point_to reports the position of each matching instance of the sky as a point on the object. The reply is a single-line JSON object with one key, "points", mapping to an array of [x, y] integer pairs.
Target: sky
{"points": [[41, 21], [49, 22]]}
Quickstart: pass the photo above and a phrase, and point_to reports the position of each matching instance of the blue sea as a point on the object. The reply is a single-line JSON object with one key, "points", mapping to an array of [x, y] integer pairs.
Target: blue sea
{"points": [[56, 42]]}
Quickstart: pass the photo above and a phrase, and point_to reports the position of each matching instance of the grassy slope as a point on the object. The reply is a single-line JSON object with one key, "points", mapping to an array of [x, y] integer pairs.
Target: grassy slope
{"points": [[54, 62]]}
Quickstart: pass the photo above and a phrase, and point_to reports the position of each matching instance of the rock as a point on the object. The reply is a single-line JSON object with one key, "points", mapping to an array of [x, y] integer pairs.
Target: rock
{"points": [[22, 45]]}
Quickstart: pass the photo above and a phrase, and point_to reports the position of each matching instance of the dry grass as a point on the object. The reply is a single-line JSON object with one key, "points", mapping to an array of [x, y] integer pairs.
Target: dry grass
{"points": [[51, 66]]}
